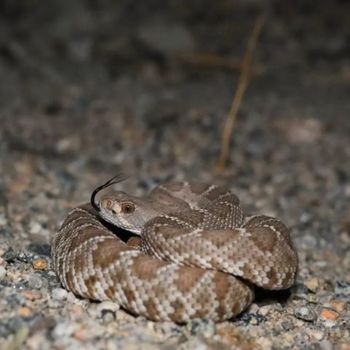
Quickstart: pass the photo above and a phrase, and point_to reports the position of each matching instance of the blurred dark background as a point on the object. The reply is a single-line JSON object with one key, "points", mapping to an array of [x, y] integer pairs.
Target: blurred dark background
{"points": [[90, 86], [83, 76]]}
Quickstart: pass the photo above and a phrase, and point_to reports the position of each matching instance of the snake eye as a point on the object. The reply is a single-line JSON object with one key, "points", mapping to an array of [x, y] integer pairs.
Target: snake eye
{"points": [[127, 208]]}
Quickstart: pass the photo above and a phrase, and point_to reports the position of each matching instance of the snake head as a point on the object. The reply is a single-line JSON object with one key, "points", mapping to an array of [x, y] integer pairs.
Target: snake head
{"points": [[122, 210], [125, 211]]}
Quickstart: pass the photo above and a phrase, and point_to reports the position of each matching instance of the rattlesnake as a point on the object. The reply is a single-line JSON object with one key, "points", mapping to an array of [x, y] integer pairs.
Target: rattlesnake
{"points": [[198, 256]]}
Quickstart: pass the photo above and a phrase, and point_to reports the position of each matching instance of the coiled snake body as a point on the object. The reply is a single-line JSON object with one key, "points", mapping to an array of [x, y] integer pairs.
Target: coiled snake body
{"points": [[198, 256]]}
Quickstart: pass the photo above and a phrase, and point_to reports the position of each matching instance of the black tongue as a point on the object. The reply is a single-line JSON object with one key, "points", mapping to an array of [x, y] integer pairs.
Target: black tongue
{"points": [[115, 179]]}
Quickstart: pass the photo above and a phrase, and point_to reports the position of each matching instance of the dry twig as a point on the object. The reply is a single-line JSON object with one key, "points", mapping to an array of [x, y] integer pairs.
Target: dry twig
{"points": [[244, 79], [215, 61]]}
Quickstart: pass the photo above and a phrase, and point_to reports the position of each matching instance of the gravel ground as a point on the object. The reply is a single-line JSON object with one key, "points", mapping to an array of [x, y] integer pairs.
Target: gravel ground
{"points": [[88, 88]]}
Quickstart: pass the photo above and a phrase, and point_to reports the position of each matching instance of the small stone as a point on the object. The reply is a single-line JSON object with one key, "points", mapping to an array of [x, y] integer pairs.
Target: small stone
{"points": [[107, 306], [264, 310], [312, 284], [108, 316], [10, 255], [168, 327], [71, 298], [2, 272], [325, 345], [253, 318], [309, 130], [344, 346], [265, 343], [342, 287], [20, 337], [305, 313], [4, 247], [205, 328], [339, 306], [35, 227], [317, 335], [253, 308], [81, 334], [3, 222], [289, 337], [24, 311], [40, 264], [67, 144], [59, 294], [63, 330], [328, 314], [106, 310], [196, 343], [35, 281], [32, 294], [287, 325], [76, 310]]}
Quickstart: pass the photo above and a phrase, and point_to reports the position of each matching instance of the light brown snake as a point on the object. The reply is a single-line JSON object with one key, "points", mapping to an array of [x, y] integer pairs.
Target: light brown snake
{"points": [[198, 256]]}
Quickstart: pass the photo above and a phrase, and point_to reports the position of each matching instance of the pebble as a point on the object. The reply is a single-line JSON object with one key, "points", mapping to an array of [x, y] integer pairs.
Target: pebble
{"points": [[71, 298], [20, 337], [312, 284], [325, 345], [328, 314], [81, 334], [265, 310], [35, 281], [40, 264], [339, 306], [308, 130], [2, 272], [4, 247], [108, 316], [342, 287], [195, 343], [265, 343], [287, 325], [205, 328], [76, 310], [106, 310], [3, 222], [305, 313], [24, 311], [63, 330], [34, 227], [253, 308], [316, 334], [32, 294], [59, 294], [168, 327]]}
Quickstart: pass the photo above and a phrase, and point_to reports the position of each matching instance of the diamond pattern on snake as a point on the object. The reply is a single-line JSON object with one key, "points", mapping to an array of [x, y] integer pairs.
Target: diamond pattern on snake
{"points": [[192, 252]]}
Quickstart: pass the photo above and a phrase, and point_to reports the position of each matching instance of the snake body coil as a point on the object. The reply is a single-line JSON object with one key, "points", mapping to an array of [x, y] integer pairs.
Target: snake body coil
{"points": [[198, 256]]}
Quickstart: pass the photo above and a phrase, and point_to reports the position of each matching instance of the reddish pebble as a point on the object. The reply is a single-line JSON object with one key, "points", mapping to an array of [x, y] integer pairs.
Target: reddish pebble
{"points": [[24, 311], [31, 294], [328, 314], [40, 264]]}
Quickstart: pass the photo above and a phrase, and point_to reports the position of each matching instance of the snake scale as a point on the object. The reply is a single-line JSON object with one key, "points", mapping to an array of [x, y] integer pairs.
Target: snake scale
{"points": [[198, 256]]}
